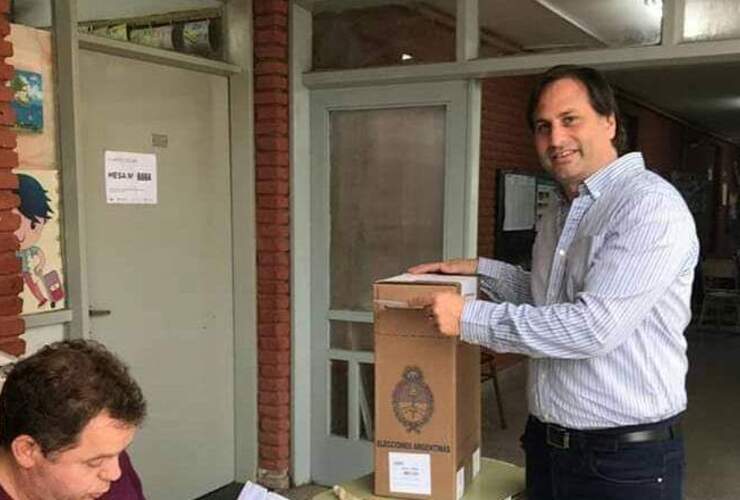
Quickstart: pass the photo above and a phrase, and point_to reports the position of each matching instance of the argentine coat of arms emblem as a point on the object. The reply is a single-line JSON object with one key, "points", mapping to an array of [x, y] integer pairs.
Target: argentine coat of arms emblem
{"points": [[413, 401]]}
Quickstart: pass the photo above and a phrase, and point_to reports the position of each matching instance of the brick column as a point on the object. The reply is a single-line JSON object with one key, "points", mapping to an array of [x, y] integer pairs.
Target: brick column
{"points": [[11, 283], [273, 238]]}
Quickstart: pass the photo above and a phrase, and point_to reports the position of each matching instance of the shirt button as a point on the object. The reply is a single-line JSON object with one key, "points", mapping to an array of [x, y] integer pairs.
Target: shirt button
{"points": [[561, 252]]}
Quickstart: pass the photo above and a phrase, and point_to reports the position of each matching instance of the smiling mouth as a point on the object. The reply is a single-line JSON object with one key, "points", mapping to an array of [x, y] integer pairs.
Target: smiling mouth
{"points": [[562, 155]]}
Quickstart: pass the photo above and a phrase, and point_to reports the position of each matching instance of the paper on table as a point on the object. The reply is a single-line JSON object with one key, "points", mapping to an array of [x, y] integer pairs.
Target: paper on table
{"points": [[460, 482], [253, 491], [410, 473]]}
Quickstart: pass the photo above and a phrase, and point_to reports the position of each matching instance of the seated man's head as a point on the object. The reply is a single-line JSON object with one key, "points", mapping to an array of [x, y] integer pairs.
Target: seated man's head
{"points": [[66, 413]]}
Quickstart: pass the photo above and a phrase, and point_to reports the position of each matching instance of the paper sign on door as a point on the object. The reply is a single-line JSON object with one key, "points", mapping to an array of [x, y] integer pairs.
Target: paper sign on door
{"points": [[410, 473], [130, 178]]}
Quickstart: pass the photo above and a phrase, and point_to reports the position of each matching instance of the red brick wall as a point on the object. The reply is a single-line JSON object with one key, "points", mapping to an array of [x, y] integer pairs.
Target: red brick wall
{"points": [[11, 283], [661, 140], [273, 235], [506, 143]]}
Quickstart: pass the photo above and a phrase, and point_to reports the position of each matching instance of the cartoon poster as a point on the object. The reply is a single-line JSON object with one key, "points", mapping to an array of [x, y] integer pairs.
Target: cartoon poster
{"points": [[28, 101], [40, 241], [34, 101]]}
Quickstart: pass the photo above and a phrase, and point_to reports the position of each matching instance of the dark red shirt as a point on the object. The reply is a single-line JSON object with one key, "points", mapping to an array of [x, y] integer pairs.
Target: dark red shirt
{"points": [[127, 487]]}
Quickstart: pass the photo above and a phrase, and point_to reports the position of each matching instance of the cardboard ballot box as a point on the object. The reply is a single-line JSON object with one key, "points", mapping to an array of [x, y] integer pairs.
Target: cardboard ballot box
{"points": [[427, 394]]}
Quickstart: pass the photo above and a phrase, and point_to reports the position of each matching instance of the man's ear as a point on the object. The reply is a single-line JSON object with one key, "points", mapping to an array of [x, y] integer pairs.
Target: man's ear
{"points": [[26, 451], [611, 121]]}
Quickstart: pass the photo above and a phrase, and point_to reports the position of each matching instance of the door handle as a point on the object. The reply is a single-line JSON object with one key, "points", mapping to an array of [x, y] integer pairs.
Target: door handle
{"points": [[94, 313]]}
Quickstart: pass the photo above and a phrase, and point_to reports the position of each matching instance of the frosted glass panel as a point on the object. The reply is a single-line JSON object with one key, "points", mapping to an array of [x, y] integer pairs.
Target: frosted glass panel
{"points": [[351, 336], [711, 20], [387, 187]]}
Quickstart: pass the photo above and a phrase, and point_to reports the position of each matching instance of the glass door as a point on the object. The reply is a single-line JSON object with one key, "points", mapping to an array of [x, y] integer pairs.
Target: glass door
{"points": [[389, 176]]}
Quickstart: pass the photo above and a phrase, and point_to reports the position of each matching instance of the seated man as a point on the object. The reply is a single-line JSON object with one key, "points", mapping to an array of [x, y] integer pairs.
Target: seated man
{"points": [[67, 413]]}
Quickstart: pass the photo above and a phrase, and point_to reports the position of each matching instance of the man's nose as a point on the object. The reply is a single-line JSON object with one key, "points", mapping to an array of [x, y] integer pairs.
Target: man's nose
{"points": [[557, 134], [111, 470]]}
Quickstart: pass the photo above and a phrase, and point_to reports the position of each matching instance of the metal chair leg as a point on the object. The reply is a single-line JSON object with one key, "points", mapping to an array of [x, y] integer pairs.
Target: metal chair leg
{"points": [[499, 402]]}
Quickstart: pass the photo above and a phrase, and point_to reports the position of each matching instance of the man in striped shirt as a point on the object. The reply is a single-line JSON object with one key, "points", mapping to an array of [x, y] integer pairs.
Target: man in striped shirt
{"points": [[602, 313]]}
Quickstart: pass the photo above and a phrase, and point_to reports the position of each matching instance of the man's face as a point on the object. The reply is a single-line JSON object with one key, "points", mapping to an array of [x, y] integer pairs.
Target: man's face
{"points": [[85, 471], [572, 140]]}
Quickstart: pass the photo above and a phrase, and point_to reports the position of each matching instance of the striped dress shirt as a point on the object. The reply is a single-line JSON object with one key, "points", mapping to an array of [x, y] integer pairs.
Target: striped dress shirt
{"points": [[602, 313]]}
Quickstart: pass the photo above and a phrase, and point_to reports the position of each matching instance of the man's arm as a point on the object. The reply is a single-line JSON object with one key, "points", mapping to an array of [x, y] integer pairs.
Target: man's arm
{"points": [[502, 282], [648, 249]]}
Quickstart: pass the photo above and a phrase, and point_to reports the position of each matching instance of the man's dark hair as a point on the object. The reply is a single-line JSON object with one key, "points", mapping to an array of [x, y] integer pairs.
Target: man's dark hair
{"points": [[600, 93], [53, 394], [34, 202]]}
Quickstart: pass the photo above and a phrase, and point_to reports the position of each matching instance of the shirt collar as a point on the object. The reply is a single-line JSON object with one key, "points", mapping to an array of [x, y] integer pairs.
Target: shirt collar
{"points": [[604, 179]]}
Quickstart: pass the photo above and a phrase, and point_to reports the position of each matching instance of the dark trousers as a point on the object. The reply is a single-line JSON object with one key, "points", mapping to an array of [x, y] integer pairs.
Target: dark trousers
{"points": [[600, 465]]}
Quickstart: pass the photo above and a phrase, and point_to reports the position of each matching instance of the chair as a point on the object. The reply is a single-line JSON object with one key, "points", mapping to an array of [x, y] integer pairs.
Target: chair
{"points": [[488, 372], [721, 294]]}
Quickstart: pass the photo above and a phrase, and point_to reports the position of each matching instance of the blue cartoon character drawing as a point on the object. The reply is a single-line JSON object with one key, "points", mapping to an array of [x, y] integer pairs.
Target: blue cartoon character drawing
{"points": [[35, 212]]}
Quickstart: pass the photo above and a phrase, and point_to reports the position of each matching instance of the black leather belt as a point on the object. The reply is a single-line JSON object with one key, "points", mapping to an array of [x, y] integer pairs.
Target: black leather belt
{"points": [[562, 438]]}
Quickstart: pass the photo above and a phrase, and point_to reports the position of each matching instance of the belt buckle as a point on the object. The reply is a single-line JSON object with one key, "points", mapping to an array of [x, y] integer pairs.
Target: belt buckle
{"points": [[557, 438]]}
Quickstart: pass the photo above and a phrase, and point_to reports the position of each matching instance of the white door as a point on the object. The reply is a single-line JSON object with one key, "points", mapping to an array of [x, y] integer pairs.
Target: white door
{"points": [[164, 271], [390, 180]]}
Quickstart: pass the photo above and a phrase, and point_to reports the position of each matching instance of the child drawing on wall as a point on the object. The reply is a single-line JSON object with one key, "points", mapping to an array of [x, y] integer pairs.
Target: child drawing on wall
{"points": [[34, 212]]}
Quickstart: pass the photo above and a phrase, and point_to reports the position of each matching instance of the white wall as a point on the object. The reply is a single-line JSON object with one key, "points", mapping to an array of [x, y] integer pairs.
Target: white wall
{"points": [[38, 12]]}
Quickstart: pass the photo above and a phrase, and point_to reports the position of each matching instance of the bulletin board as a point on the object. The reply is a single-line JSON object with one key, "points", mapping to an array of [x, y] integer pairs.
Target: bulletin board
{"points": [[521, 199]]}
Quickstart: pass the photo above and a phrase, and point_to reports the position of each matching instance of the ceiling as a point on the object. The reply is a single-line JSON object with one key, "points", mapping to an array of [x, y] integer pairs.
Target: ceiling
{"points": [[705, 95], [708, 95]]}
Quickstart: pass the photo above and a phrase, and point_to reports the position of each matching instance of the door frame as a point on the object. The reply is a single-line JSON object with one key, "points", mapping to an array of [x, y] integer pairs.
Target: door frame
{"points": [[460, 215], [238, 29]]}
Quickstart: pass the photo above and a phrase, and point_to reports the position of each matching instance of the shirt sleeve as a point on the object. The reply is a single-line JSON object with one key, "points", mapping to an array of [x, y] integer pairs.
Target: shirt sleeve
{"points": [[503, 282], [650, 245]]}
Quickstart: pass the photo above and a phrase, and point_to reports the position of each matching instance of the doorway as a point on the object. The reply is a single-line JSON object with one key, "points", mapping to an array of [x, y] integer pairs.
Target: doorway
{"points": [[164, 271], [390, 177]]}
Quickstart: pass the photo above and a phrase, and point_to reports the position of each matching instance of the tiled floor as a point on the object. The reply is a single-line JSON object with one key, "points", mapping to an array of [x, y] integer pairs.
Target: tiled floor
{"points": [[711, 424]]}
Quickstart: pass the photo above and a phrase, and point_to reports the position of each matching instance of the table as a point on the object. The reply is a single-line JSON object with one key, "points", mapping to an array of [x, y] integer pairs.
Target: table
{"points": [[497, 481]]}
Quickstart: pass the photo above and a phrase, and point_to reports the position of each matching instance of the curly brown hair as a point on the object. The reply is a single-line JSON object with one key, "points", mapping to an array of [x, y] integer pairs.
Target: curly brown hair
{"points": [[53, 394]]}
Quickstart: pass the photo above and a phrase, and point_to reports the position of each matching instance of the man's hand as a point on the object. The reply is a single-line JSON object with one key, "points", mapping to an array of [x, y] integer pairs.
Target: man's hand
{"points": [[445, 309], [454, 266]]}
